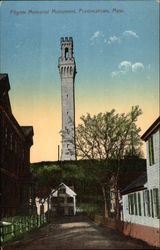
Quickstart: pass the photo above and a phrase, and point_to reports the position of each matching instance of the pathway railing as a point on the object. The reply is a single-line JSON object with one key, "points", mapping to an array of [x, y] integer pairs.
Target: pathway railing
{"points": [[10, 230]]}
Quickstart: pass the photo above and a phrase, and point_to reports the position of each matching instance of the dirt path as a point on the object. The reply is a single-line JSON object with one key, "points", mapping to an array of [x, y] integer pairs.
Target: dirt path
{"points": [[76, 233]]}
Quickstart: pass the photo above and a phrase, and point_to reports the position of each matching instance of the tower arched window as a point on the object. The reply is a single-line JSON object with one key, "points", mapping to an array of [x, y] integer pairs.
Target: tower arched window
{"points": [[66, 53]]}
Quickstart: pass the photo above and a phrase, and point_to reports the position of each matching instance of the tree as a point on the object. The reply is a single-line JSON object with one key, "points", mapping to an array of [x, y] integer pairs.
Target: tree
{"points": [[109, 136]]}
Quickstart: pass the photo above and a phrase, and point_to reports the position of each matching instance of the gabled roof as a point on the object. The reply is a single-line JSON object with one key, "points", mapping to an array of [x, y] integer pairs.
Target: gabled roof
{"points": [[4, 82], [69, 191], [136, 185], [152, 129], [4, 88], [27, 130], [28, 133]]}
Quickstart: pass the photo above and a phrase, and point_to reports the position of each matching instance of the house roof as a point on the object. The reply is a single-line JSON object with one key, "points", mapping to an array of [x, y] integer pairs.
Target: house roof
{"points": [[28, 133], [4, 81], [4, 88], [136, 185], [152, 129], [27, 130], [69, 191]]}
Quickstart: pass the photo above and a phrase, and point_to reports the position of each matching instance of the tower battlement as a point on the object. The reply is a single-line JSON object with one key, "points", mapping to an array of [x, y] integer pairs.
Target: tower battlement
{"points": [[66, 39]]}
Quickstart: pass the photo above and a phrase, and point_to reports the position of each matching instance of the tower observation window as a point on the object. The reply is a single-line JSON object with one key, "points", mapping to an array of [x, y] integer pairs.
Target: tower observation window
{"points": [[66, 53]]}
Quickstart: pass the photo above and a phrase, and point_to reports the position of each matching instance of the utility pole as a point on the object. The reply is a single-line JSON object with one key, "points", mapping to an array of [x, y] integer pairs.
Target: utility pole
{"points": [[58, 152]]}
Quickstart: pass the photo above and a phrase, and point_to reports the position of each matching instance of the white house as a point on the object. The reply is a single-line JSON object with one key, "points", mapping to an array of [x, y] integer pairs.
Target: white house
{"points": [[61, 201], [141, 199]]}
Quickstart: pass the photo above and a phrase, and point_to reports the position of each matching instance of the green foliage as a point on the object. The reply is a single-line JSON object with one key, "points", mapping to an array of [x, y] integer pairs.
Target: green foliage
{"points": [[90, 208], [86, 175], [109, 135]]}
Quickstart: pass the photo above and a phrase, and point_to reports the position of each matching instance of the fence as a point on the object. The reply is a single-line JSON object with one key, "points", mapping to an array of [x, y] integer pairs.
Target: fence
{"points": [[10, 230]]}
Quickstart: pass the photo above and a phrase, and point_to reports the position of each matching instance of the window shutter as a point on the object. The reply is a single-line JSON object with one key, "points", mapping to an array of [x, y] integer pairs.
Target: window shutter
{"points": [[139, 204], [144, 204], [152, 208], [156, 202], [135, 203], [151, 151]]}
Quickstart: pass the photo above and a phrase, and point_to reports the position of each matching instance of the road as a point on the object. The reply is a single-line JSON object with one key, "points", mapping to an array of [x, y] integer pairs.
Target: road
{"points": [[76, 233]]}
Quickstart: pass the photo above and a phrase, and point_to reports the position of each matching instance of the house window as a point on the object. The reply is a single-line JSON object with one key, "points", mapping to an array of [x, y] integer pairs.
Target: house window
{"points": [[69, 199], [61, 199], [131, 203], [11, 142], [23, 154], [156, 202], [15, 145], [151, 151], [71, 211], [62, 191], [139, 204], [61, 211], [6, 136]]}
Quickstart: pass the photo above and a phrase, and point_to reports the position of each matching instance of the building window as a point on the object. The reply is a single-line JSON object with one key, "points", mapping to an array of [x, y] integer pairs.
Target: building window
{"points": [[131, 203], [23, 154], [151, 151], [62, 191], [15, 145], [156, 202], [61, 199], [11, 142], [6, 136], [69, 199], [66, 54]]}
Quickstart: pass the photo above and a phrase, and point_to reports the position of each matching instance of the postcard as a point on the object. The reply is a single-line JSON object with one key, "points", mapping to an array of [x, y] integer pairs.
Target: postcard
{"points": [[79, 123]]}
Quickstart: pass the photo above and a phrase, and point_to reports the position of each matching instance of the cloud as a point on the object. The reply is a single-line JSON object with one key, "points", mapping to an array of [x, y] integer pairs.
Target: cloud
{"points": [[130, 33], [118, 39], [137, 67], [95, 35], [112, 39], [126, 66], [117, 73]]}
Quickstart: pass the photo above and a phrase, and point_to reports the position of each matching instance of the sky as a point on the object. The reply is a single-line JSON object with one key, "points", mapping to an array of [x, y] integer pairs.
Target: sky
{"points": [[116, 49]]}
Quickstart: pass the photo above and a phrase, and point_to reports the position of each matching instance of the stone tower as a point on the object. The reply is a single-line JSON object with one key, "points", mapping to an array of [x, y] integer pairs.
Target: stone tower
{"points": [[67, 70]]}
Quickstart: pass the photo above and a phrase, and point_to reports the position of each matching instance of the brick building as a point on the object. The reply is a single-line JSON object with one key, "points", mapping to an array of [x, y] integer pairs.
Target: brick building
{"points": [[17, 185]]}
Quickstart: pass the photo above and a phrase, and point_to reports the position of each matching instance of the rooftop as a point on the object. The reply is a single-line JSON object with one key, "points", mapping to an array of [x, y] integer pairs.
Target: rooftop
{"points": [[4, 82], [27, 130], [136, 185], [152, 129]]}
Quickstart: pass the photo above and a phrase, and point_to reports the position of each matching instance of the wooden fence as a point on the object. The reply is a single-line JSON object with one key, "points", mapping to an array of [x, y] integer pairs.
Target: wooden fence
{"points": [[10, 230]]}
